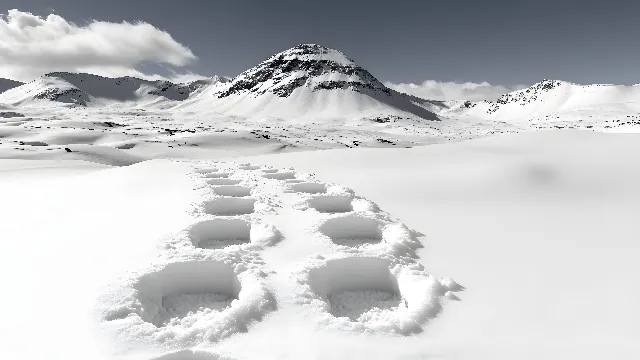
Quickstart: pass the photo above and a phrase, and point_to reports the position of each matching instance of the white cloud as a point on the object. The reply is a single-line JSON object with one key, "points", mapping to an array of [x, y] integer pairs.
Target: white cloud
{"points": [[436, 90], [176, 77], [31, 46]]}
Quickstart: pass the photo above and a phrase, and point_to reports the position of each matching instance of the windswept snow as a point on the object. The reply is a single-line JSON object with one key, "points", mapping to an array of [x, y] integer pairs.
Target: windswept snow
{"points": [[211, 281], [315, 263], [149, 220]]}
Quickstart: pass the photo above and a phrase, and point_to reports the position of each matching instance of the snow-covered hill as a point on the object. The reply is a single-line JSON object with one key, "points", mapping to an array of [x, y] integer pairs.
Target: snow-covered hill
{"points": [[308, 80], [87, 89], [307, 97], [6, 84], [554, 96]]}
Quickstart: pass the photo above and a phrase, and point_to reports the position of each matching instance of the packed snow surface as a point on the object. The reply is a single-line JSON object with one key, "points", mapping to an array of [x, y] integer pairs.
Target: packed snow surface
{"points": [[302, 266], [150, 220]]}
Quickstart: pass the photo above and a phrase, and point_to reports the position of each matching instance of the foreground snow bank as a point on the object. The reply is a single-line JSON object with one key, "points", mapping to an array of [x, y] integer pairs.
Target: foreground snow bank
{"points": [[539, 227], [210, 281], [232, 259], [264, 245]]}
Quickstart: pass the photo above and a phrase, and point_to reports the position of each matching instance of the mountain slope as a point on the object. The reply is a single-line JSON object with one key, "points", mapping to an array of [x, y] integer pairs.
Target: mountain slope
{"points": [[6, 84], [87, 89], [308, 80], [554, 96]]}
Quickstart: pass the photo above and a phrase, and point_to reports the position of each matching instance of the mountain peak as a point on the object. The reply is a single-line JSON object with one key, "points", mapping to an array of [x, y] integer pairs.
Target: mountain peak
{"points": [[310, 66], [314, 52]]}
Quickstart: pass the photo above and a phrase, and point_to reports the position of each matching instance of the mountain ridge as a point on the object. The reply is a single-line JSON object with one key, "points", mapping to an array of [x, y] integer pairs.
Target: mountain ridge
{"points": [[312, 81], [84, 89]]}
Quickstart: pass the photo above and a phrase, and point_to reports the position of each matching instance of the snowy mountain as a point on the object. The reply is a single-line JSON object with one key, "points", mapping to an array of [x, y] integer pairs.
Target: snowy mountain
{"points": [[306, 80], [307, 97], [87, 89], [553, 96], [307, 65], [6, 84], [309, 80]]}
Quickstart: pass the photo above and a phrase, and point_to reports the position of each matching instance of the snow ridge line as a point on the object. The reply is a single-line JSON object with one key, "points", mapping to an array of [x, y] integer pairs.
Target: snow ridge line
{"points": [[355, 268]]}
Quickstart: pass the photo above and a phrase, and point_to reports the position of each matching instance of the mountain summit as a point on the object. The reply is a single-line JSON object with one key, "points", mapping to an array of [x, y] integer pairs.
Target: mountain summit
{"points": [[313, 66]]}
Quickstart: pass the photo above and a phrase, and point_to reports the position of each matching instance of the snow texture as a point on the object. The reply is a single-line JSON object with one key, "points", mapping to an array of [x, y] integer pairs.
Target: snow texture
{"points": [[151, 220], [210, 282]]}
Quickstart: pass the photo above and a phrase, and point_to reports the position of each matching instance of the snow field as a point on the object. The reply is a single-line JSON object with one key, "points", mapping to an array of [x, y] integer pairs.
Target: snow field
{"points": [[211, 282]]}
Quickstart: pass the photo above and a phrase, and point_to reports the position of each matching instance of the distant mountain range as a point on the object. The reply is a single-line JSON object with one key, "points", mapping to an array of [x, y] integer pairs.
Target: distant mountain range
{"points": [[309, 81]]}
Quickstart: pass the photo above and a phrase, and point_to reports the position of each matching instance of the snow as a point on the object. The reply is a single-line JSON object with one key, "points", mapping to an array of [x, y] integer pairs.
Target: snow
{"points": [[308, 81], [530, 250], [539, 228], [140, 225], [579, 106]]}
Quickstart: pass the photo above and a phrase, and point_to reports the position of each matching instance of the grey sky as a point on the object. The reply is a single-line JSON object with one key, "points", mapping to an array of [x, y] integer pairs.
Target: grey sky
{"points": [[502, 42]]}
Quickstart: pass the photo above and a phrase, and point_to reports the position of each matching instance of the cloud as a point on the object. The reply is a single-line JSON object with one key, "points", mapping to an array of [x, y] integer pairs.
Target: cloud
{"points": [[31, 46], [189, 76], [436, 90]]}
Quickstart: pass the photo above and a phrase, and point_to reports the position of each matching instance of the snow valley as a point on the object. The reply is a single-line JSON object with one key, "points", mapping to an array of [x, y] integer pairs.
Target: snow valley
{"points": [[152, 220]]}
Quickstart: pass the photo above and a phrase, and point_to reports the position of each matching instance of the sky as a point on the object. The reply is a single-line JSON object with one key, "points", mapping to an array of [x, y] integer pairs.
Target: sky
{"points": [[444, 49]]}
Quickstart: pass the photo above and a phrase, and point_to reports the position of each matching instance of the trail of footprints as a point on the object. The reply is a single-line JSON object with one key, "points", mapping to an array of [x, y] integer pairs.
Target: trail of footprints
{"points": [[211, 281]]}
